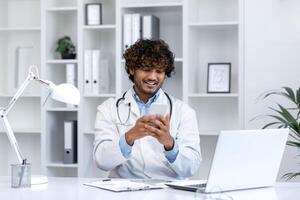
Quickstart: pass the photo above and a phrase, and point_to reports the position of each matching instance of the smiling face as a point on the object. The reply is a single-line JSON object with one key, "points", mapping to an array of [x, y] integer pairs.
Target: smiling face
{"points": [[147, 82]]}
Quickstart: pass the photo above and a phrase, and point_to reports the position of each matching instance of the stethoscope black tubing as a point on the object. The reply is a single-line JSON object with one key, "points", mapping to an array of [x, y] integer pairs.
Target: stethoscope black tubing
{"points": [[123, 98]]}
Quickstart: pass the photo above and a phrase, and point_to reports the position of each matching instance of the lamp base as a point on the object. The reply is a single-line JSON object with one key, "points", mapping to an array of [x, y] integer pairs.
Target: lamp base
{"points": [[38, 179]]}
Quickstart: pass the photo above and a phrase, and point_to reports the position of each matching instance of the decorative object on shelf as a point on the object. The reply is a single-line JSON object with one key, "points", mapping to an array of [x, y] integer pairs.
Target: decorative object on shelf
{"points": [[218, 77], [64, 92], [286, 117], [93, 14], [66, 48]]}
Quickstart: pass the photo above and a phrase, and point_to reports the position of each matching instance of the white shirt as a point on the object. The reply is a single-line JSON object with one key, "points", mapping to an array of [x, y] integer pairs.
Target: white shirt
{"points": [[147, 159]]}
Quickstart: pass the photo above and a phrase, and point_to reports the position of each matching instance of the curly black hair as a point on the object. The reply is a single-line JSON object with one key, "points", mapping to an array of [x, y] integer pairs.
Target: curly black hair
{"points": [[148, 54]]}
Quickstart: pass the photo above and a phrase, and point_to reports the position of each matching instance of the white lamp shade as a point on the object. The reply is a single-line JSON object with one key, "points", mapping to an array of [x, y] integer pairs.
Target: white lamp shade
{"points": [[66, 93]]}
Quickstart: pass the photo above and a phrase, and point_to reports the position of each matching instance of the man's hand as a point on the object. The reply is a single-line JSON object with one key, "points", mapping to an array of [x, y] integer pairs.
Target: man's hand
{"points": [[159, 128], [139, 130]]}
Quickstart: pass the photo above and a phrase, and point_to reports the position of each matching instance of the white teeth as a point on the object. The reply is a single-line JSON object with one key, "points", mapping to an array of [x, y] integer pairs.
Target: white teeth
{"points": [[150, 82]]}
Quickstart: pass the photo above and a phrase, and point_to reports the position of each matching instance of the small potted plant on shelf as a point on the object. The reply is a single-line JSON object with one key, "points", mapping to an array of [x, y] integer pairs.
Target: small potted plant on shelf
{"points": [[287, 116], [66, 48]]}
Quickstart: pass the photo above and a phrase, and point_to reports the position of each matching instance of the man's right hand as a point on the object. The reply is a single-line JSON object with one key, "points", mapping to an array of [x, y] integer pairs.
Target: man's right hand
{"points": [[139, 130]]}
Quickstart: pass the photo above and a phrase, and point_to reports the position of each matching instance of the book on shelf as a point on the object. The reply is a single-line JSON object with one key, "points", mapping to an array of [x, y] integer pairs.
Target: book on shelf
{"points": [[150, 27], [70, 142], [93, 13]]}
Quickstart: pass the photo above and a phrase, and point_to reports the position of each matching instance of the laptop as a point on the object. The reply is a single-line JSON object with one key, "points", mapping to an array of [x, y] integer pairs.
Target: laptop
{"points": [[243, 159]]}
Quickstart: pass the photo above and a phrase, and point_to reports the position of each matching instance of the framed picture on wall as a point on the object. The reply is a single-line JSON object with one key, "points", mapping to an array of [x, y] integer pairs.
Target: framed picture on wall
{"points": [[218, 77]]}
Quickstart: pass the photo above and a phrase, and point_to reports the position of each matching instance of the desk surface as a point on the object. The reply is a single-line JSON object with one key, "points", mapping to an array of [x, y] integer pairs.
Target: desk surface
{"points": [[73, 189]]}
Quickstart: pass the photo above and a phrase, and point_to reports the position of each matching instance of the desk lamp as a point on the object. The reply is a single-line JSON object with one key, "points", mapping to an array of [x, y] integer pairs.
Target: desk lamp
{"points": [[65, 92]]}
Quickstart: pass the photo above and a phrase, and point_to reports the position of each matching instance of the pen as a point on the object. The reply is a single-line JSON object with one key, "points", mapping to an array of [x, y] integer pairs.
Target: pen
{"points": [[107, 179]]}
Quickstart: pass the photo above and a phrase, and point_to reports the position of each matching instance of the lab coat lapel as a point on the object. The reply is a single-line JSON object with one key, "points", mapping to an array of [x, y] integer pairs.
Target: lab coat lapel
{"points": [[129, 99]]}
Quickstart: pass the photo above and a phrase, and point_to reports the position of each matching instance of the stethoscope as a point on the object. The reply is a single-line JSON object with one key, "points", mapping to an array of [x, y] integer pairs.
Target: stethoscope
{"points": [[129, 108]]}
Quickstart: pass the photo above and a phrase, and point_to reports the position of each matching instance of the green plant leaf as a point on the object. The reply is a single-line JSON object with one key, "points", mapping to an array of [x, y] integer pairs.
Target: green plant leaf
{"points": [[290, 94], [289, 176], [294, 144], [270, 124]]}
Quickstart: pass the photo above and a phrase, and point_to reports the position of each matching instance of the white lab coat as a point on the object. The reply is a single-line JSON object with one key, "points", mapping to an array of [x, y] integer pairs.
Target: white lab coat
{"points": [[147, 159]]}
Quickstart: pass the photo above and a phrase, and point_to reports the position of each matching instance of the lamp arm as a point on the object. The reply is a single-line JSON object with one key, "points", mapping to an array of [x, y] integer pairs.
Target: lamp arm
{"points": [[31, 76], [13, 140]]}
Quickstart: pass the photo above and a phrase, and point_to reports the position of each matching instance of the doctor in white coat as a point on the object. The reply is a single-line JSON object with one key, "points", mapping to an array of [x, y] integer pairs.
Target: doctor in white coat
{"points": [[129, 142]]}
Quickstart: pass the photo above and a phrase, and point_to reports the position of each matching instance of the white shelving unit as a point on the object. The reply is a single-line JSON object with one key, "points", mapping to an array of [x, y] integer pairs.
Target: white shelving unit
{"points": [[25, 117], [197, 31]]}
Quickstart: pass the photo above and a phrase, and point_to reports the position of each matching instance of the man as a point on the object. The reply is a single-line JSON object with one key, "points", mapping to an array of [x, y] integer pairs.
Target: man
{"points": [[133, 144]]}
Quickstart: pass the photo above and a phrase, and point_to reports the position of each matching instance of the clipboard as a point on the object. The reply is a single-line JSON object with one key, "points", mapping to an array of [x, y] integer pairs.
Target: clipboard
{"points": [[121, 185]]}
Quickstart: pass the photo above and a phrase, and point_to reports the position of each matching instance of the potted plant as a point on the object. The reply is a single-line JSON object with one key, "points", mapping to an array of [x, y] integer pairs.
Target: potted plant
{"points": [[287, 117], [66, 48]]}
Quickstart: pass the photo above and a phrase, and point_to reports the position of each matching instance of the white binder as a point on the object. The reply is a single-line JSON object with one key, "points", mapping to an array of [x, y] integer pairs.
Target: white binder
{"points": [[87, 71], [95, 71], [71, 77], [104, 76], [127, 26], [150, 27], [136, 27]]}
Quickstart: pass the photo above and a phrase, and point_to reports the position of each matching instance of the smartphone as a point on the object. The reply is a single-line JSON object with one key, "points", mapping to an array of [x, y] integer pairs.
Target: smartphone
{"points": [[158, 109]]}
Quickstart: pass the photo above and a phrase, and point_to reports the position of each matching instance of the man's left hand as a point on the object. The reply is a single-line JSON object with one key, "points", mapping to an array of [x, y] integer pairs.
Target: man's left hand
{"points": [[160, 127]]}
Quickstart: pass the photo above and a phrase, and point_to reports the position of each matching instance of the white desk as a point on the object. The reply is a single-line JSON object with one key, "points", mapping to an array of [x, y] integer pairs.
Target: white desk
{"points": [[72, 189]]}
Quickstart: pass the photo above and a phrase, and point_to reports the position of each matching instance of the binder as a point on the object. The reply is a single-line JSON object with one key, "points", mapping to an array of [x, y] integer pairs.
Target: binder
{"points": [[93, 13], [127, 26], [104, 76], [71, 74], [95, 71], [87, 71], [150, 27], [70, 142], [71, 77], [136, 27]]}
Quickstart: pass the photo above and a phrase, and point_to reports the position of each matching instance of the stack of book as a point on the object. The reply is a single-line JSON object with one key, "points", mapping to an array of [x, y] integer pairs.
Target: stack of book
{"points": [[136, 26]]}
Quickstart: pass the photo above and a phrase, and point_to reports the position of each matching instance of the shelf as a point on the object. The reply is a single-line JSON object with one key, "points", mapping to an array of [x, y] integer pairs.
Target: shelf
{"points": [[214, 24], [62, 61], [100, 27], [61, 9], [62, 165], [12, 29], [99, 95], [25, 130], [62, 109], [214, 95], [152, 5]]}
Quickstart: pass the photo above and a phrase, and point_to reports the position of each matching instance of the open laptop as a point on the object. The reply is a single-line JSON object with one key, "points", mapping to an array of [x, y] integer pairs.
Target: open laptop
{"points": [[243, 159]]}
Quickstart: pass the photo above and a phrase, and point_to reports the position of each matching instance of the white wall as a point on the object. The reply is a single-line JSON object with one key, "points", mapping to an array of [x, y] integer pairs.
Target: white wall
{"points": [[272, 59]]}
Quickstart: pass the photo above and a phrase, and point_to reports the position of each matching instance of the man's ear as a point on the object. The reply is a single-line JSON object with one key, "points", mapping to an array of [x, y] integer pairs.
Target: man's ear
{"points": [[131, 71]]}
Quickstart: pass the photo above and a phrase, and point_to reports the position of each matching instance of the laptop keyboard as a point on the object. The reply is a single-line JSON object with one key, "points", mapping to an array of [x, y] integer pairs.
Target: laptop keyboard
{"points": [[201, 185]]}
